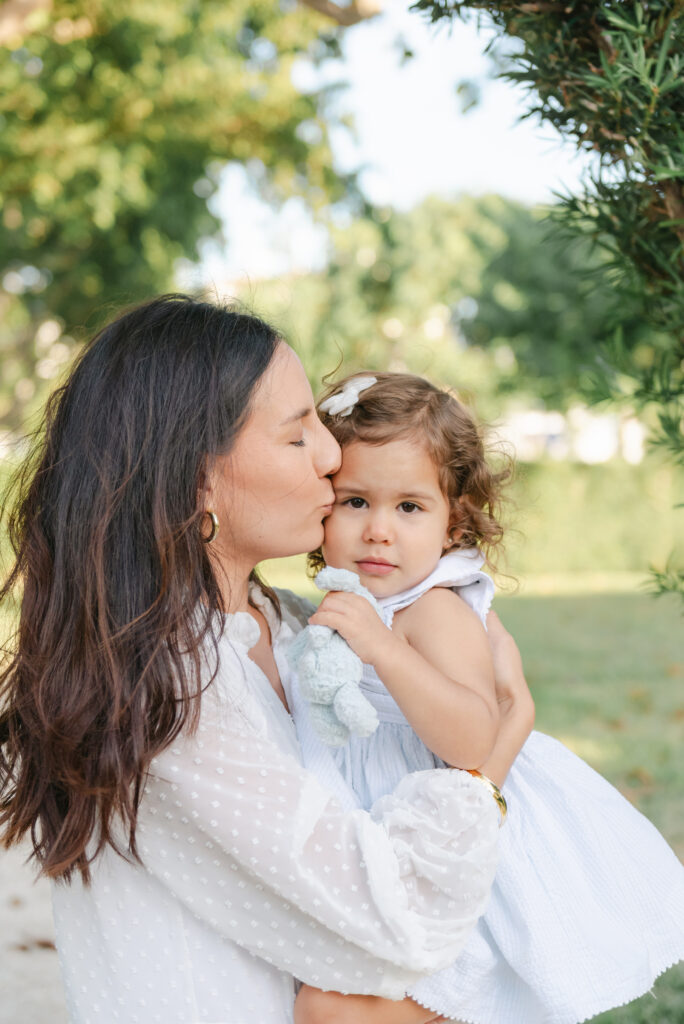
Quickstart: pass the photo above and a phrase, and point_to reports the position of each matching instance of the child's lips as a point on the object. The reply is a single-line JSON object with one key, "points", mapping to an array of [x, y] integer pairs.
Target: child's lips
{"points": [[369, 567]]}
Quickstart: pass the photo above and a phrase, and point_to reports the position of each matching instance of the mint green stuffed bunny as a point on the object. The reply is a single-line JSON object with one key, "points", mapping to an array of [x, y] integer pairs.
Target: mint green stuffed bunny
{"points": [[329, 672]]}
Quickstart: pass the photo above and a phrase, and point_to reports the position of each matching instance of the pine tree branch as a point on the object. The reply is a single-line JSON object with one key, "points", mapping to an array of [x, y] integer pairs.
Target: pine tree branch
{"points": [[673, 195]]}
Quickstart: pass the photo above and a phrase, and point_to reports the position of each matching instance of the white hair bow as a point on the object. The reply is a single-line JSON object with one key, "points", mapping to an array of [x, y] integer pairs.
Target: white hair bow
{"points": [[344, 400]]}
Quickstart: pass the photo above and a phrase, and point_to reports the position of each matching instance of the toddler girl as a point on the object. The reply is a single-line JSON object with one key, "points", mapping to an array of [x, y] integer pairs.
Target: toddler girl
{"points": [[588, 905]]}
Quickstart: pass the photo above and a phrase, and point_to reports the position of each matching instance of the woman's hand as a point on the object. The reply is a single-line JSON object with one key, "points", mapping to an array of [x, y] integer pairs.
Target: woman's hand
{"points": [[511, 686], [357, 622], [516, 707]]}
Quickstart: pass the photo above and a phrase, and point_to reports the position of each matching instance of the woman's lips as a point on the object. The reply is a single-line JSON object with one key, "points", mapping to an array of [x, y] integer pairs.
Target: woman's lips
{"points": [[372, 568], [327, 507]]}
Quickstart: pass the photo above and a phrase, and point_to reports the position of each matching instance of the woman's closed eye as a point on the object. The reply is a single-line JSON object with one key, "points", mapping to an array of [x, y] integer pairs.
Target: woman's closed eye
{"points": [[300, 443]]}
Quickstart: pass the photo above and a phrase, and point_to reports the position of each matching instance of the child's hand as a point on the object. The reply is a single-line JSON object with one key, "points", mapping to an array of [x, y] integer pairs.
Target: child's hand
{"points": [[357, 623]]}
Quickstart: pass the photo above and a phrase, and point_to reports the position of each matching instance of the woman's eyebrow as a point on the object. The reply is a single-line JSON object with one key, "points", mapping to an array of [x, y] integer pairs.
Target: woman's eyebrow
{"points": [[297, 416]]}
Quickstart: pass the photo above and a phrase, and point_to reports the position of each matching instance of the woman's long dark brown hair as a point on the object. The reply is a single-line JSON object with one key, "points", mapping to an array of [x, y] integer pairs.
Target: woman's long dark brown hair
{"points": [[104, 670]]}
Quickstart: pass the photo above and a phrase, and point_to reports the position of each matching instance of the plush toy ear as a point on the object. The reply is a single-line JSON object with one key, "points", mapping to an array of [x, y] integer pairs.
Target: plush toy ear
{"points": [[331, 578]]}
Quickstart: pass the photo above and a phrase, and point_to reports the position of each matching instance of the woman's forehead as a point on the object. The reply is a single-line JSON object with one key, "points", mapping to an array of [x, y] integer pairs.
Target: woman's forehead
{"points": [[284, 393]]}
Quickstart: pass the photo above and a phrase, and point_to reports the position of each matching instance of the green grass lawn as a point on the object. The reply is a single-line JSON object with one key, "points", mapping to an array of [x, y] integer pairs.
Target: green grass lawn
{"points": [[607, 674]]}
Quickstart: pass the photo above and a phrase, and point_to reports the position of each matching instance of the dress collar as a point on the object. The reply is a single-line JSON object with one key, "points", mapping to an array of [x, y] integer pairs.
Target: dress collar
{"points": [[461, 570]]}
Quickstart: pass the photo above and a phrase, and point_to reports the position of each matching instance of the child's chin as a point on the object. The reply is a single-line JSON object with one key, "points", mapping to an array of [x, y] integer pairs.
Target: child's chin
{"points": [[376, 588]]}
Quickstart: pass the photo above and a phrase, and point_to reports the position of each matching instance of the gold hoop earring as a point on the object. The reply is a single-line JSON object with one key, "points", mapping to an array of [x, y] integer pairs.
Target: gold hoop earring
{"points": [[214, 527]]}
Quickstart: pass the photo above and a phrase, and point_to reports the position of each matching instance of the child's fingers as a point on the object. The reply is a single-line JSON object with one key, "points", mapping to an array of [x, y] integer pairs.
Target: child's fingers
{"points": [[337, 604], [341, 599], [320, 616], [328, 617]]}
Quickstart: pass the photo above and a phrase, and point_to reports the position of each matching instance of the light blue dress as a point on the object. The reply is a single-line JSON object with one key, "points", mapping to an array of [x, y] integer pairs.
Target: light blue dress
{"points": [[587, 908]]}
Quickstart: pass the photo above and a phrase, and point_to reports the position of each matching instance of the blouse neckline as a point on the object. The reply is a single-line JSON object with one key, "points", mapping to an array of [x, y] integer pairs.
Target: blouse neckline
{"points": [[242, 628]]}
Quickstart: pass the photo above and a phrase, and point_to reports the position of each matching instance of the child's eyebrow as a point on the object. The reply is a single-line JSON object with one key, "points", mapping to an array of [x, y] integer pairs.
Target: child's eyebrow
{"points": [[417, 496], [401, 496]]}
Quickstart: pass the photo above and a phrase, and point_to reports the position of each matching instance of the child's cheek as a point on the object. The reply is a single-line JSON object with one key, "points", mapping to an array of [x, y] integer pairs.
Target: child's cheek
{"points": [[330, 546]]}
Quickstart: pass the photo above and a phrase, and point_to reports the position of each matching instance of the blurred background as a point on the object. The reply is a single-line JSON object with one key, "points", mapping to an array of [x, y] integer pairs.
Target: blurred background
{"points": [[363, 179]]}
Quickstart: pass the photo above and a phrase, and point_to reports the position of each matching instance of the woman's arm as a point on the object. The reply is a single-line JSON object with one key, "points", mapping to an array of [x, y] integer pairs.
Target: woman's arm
{"points": [[516, 707], [315, 1007], [435, 662], [355, 902]]}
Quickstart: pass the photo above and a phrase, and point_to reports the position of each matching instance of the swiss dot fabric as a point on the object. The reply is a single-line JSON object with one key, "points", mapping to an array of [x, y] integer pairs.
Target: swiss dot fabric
{"points": [[253, 873]]}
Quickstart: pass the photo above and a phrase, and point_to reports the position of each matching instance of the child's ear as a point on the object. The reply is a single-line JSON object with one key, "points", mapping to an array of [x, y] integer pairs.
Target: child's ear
{"points": [[453, 534], [454, 530], [452, 538]]}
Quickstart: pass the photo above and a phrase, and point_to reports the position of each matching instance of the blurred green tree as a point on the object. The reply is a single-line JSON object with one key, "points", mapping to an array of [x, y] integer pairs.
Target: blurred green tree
{"points": [[552, 302], [477, 292], [116, 119], [609, 76], [389, 291]]}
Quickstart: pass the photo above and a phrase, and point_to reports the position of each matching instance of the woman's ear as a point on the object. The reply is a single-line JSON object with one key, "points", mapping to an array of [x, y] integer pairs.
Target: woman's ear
{"points": [[202, 484], [207, 483]]}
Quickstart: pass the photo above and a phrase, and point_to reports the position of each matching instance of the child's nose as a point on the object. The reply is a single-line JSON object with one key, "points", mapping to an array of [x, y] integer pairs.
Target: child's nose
{"points": [[378, 528]]}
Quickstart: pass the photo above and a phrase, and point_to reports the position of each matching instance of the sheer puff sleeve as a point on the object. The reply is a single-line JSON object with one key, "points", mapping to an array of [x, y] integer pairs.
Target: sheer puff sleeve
{"points": [[359, 902]]}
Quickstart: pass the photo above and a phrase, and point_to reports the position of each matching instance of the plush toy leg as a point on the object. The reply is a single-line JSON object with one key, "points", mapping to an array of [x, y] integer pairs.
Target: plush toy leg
{"points": [[326, 725], [352, 708]]}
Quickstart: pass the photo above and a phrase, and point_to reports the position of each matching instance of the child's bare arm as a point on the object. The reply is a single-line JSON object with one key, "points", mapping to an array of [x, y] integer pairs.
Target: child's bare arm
{"points": [[436, 663], [457, 721], [315, 1007]]}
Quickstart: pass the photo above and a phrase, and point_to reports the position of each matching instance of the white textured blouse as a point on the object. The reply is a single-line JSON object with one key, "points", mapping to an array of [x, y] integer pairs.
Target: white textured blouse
{"points": [[253, 874]]}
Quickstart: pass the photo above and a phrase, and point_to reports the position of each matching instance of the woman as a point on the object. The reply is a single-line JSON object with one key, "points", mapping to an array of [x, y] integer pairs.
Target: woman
{"points": [[145, 738]]}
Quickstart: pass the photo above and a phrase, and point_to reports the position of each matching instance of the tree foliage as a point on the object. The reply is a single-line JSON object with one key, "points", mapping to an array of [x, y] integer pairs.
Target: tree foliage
{"points": [[115, 120], [476, 292], [609, 75], [553, 303]]}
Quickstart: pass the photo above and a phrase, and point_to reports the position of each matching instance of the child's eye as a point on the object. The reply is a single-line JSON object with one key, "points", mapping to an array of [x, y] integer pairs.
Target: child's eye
{"points": [[355, 502], [409, 506]]}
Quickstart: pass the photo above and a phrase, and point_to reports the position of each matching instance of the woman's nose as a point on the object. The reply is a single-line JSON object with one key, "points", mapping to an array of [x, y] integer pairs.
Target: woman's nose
{"points": [[327, 452]]}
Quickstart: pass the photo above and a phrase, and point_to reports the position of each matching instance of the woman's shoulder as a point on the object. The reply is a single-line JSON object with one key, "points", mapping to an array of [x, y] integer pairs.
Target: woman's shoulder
{"points": [[294, 608]]}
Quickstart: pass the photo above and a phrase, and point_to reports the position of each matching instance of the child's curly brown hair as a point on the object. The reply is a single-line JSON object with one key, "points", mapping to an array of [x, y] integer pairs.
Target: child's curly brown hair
{"points": [[401, 405]]}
